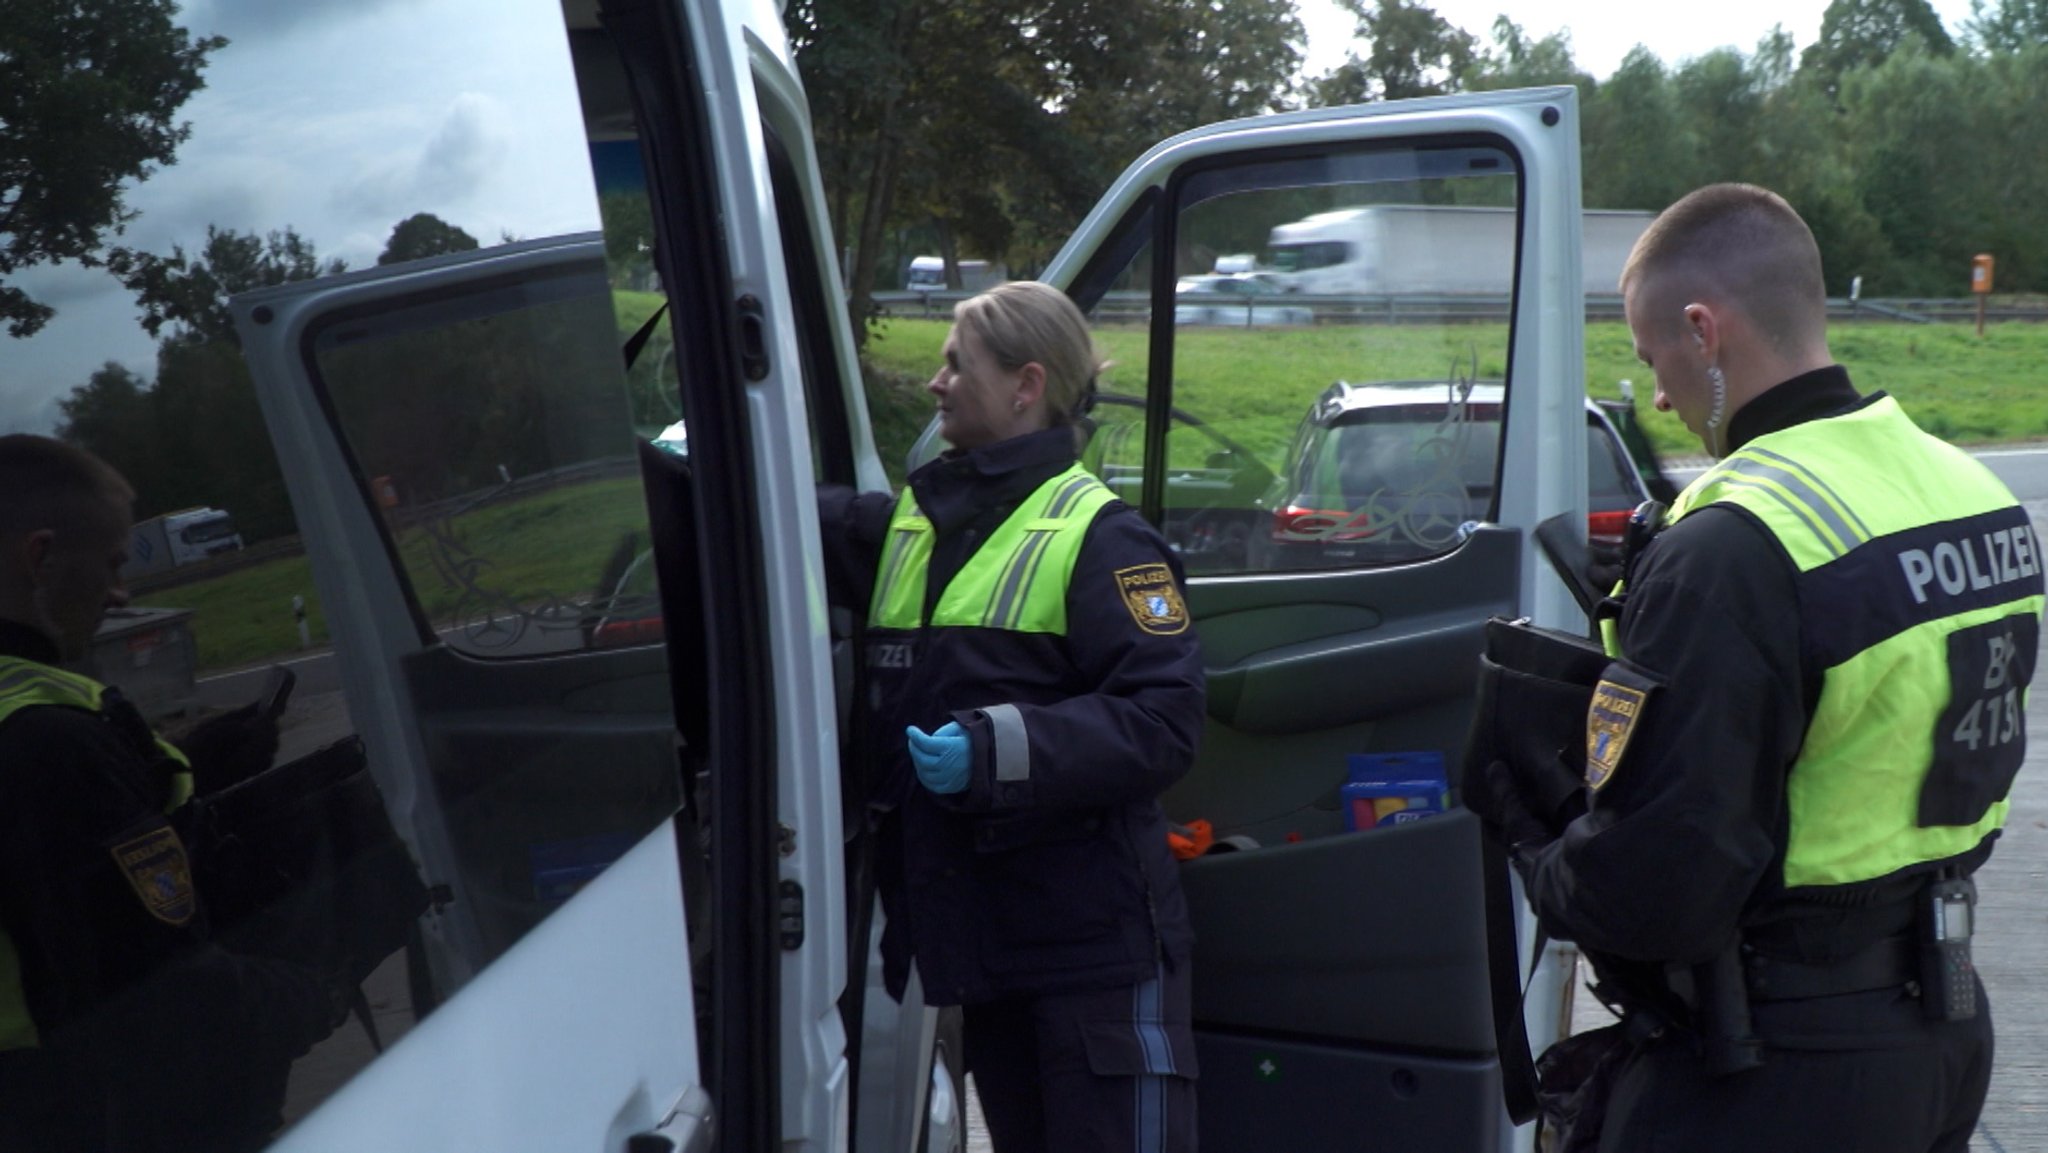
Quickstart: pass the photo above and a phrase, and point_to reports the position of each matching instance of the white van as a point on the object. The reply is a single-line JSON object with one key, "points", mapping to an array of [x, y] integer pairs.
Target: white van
{"points": [[652, 879]]}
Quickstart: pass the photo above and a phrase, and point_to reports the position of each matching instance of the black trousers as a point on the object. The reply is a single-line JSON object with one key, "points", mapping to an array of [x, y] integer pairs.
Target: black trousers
{"points": [[1099, 1072], [1860, 1072]]}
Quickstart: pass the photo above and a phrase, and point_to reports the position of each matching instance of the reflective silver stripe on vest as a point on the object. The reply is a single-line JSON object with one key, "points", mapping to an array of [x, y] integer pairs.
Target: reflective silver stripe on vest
{"points": [[1023, 564], [1013, 744], [1833, 500], [21, 677], [1805, 501], [1063, 501], [1008, 604], [900, 543]]}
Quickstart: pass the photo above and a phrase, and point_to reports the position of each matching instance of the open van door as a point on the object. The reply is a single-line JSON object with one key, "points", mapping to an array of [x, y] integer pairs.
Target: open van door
{"points": [[1341, 977], [620, 783]]}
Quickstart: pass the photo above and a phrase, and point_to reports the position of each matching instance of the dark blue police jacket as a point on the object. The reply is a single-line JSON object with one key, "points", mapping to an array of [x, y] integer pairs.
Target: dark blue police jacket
{"points": [[1063, 880]]}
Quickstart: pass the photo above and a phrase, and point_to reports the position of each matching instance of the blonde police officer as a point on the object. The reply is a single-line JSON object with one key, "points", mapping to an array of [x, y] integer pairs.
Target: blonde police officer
{"points": [[1035, 687]]}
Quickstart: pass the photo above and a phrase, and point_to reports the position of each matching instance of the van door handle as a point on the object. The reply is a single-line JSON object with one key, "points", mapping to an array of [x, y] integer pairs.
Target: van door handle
{"points": [[686, 1129], [753, 339]]}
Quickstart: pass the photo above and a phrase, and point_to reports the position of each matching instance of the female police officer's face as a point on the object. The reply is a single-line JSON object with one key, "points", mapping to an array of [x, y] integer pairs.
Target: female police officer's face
{"points": [[980, 401]]}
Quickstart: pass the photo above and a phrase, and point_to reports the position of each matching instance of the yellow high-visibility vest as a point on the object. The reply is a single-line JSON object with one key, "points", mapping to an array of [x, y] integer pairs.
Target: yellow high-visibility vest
{"points": [[1920, 580], [1017, 580], [26, 683]]}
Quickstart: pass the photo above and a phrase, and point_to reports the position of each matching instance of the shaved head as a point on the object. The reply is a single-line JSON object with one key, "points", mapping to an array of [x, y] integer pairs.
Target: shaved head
{"points": [[51, 485], [1739, 246], [64, 519]]}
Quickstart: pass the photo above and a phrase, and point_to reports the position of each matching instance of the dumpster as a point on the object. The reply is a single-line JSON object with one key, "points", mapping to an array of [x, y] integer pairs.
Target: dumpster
{"points": [[150, 655]]}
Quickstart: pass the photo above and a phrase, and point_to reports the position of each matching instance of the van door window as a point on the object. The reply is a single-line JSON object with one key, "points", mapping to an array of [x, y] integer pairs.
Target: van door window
{"points": [[1337, 404]]}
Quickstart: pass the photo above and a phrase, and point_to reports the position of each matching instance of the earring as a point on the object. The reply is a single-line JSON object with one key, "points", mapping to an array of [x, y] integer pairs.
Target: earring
{"points": [[1016, 406]]}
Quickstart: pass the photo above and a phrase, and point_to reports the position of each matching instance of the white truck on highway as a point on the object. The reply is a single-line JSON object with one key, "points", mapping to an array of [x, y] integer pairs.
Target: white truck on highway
{"points": [[179, 538], [1429, 249]]}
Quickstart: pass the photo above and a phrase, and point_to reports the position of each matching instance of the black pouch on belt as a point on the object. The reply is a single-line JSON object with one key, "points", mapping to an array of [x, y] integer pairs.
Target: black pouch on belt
{"points": [[1535, 685]]}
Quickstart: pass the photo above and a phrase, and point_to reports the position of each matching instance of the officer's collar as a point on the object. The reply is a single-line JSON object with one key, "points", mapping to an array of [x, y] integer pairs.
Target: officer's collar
{"points": [[19, 640], [1808, 396], [1046, 446], [960, 486]]}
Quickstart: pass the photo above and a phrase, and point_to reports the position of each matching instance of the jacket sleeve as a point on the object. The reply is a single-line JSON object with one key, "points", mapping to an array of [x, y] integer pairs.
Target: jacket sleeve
{"points": [[1678, 840], [1132, 728], [852, 527]]}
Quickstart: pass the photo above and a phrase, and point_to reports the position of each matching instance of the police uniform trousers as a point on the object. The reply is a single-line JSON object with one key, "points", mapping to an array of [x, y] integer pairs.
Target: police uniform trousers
{"points": [[1858, 1073], [1107, 1071]]}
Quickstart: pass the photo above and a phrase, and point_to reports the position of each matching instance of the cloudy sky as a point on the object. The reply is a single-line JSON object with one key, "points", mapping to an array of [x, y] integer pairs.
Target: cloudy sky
{"points": [[341, 117], [337, 118]]}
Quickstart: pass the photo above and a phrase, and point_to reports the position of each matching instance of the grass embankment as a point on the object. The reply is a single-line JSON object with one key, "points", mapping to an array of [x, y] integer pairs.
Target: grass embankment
{"points": [[550, 546], [1256, 384]]}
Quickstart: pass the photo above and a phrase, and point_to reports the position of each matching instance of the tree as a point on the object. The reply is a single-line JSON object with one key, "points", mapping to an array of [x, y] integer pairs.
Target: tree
{"points": [[1723, 101], [89, 93], [1864, 33], [628, 236], [110, 415], [195, 436], [1413, 52], [991, 125], [193, 294], [2009, 25], [1515, 61], [422, 235], [1634, 149]]}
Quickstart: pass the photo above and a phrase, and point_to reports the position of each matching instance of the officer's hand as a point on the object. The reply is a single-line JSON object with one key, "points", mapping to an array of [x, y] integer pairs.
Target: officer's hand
{"points": [[941, 758], [229, 748]]}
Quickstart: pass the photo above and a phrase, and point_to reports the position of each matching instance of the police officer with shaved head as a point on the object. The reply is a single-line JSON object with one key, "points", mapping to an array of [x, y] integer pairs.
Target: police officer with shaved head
{"points": [[1803, 743], [124, 1027]]}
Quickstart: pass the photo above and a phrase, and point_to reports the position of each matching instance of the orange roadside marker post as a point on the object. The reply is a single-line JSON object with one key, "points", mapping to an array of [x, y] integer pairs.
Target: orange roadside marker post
{"points": [[1980, 283]]}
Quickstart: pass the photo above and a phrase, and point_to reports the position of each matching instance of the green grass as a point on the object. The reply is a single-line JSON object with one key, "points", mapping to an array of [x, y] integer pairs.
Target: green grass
{"points": [[533, 551], [1256, 384], [246, 616], [551, 546]]}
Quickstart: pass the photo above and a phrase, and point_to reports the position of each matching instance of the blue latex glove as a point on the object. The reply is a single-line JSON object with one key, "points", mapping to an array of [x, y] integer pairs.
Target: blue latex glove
{"points": [[941, 758]]}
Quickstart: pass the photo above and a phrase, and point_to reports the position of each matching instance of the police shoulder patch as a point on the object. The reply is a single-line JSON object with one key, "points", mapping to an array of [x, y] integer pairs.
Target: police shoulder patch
{"points": [[1610, 722], [156, 867], [1148, 590]]}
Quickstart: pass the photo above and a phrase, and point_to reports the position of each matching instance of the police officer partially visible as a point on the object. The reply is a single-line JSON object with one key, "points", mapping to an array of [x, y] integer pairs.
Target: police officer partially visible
{"points": [[1803, 746], [1036, 686], [123, 1027]]}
